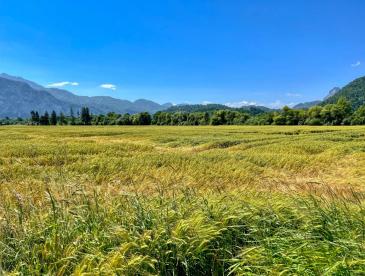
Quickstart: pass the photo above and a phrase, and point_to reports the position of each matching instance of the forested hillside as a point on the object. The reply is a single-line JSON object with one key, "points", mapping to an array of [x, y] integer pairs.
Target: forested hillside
{"points": [[354, 92]]}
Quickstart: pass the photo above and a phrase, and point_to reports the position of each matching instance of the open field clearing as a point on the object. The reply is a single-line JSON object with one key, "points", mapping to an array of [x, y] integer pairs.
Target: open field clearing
{"points": [[236, 200]]}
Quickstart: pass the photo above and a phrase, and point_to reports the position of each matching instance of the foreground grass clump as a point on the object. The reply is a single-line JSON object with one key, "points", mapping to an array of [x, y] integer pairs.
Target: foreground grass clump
{"points": [[189, 234], [182, 201]]}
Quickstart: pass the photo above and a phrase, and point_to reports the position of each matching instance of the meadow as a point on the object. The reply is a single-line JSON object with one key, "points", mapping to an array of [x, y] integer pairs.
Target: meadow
{"points": [[150, 200]]}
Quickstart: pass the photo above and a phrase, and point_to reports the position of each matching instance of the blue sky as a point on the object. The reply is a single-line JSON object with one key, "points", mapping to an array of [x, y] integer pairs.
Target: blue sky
{"points": [[194, 51]]}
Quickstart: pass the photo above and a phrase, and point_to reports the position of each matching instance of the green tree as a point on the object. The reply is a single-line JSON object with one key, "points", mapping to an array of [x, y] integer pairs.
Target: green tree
{"points": [[62, 119], [112, 118], [327, 114], [34, 117], [261, 119], [358, 117], [241, 118], [218, 118], [344, 105], [85, 116], [162, 118], [179, 118], [53, 119], [205, 118], [143, 118], [314, 116], [335, 114], [125, 119], [279, 119], [315, 112], [72, 117], [44, 119]]}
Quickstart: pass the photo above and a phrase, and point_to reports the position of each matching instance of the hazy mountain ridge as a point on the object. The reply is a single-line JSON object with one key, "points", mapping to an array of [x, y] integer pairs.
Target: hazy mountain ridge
{"points": [[307, 105], [251, 109], [17, 99], [105, 104], [20, 79], [19, 96]]}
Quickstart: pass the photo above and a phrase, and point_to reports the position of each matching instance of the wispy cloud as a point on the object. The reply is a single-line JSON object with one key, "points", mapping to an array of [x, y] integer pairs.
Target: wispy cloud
{"points": [[109, 86], [240, 104], [206, 102], [62, 84], [356, 64], [294, 95]]}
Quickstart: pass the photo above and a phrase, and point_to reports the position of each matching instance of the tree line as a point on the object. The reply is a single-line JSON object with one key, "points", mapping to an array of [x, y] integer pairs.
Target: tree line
{"points": [[84, 117], [340, 113]]}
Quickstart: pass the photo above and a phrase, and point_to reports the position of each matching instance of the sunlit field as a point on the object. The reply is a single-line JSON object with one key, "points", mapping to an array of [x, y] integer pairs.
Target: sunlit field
{"points": [[232, 200]]}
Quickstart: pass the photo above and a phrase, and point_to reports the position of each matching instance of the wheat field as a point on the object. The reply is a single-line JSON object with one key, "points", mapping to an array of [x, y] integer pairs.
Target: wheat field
{"points": [[228, 200]]}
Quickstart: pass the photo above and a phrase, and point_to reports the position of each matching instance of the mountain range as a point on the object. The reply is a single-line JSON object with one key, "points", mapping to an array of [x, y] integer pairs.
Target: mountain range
{"points": [[19, 96], [354, 92]]}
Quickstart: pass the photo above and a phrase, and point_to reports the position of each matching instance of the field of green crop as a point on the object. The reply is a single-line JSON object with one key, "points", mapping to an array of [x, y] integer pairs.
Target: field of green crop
{"points": [[232, 200]]}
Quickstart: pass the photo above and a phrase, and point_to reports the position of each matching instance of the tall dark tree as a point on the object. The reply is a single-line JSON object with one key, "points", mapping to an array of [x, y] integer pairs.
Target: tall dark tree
{"points": [[37, 118], [44, 119], [85, 116], [34, 117], [62, 119], [72, 117], [53, 119]]}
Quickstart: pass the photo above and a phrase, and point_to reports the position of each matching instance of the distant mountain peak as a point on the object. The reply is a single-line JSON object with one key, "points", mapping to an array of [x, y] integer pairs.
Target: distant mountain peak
{"points": [[354, 92], [20, 79], [307, 105], [332, 92]]}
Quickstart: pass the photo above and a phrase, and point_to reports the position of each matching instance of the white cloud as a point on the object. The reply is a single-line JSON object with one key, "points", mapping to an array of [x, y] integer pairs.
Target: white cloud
{"points": [[356, 64], [109, 86], [294, 95], [279, 104], [240, 104], [206, 102], [186, 103], [63, 83]]}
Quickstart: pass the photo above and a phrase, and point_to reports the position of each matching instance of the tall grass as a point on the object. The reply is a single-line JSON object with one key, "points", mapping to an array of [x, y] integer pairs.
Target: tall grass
{"points": [[189, 234], [182, 201]]}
